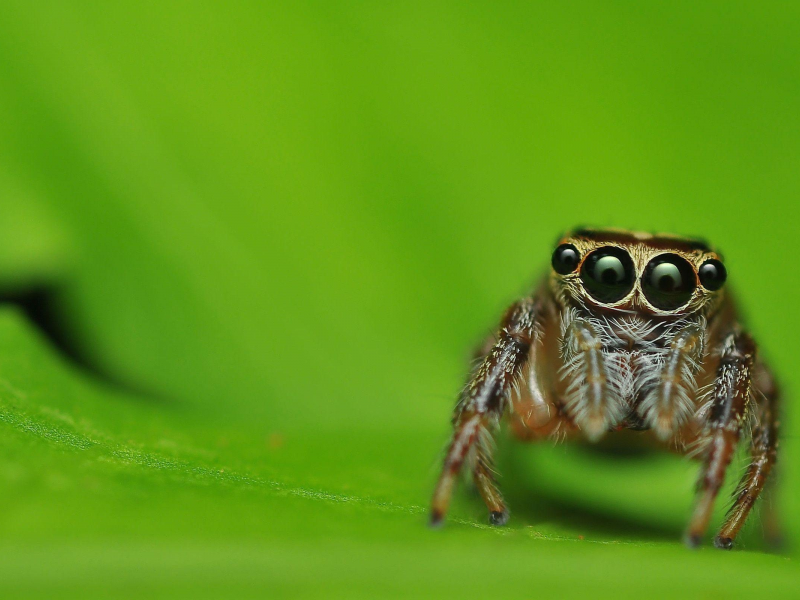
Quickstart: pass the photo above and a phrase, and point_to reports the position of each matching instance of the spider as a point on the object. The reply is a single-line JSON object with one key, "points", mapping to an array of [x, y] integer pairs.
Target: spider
{"points": [[628, 331]]}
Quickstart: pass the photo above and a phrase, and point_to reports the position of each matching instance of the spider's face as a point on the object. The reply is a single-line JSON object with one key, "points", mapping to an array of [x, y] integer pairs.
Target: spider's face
{"points": [[637, 272]]}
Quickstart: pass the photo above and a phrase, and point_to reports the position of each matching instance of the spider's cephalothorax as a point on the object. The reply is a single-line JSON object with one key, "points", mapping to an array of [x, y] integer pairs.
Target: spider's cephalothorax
{"points": [[628, 331]]}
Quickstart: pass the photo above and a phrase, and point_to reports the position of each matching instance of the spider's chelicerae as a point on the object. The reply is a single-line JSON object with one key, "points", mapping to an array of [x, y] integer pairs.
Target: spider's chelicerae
{"points": [[628, 331]]}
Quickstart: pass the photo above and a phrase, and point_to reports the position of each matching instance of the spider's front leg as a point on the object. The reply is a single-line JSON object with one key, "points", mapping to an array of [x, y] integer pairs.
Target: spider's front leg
{"points": [[480, 406], [729, 410]]}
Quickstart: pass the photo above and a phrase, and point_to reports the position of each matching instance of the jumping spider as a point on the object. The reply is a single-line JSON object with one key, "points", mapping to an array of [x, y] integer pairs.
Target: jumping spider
{"points": [[628, 331]]}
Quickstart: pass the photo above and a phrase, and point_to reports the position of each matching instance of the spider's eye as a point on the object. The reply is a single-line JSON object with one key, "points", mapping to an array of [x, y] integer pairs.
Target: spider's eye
{"points": [[712, 274], [668, 281], [566, 259], [607, 274]]}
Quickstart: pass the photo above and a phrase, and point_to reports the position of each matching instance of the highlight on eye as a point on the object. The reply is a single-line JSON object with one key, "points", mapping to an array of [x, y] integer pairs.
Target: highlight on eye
{"points": [[566, 259], [608, 274], [668, 281], [712, 274]]}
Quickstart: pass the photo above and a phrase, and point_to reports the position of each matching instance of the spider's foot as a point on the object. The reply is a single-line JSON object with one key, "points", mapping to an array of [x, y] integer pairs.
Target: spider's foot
{"points": [[692, 540], [436, 519], [723, 543], [498, 518]]}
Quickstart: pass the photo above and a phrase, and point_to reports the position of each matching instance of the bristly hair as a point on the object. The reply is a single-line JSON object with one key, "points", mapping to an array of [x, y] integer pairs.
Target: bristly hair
{"points": [[647, 366], [669, 386], [592, 396]]}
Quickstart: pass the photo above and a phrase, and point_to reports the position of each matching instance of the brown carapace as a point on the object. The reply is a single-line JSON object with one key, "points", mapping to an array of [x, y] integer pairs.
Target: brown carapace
{"points": [[628, 331]]}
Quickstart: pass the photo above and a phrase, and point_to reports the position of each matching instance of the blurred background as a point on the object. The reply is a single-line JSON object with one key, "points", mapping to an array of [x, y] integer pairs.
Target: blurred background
{"points": [[247, 248]]}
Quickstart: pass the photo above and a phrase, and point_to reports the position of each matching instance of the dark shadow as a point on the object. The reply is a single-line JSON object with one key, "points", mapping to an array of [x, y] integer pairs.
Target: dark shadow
{"points": [[39, 305], [535, 504], [618, 448], [43, 306]]}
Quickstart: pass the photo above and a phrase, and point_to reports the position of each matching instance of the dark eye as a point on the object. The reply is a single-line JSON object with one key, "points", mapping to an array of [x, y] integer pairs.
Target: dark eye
{"points": [[607, 274], [668, 281], [566, 259], [712, 274]]}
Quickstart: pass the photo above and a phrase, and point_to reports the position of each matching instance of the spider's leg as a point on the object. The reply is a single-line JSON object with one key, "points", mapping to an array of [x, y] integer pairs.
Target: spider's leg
{"points": [[480, 406], [483, 475], [763, 454], [729, 407]]}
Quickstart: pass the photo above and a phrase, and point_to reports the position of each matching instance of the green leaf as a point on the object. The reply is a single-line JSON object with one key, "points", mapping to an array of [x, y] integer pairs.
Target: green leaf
{"points": [[266, 237]]}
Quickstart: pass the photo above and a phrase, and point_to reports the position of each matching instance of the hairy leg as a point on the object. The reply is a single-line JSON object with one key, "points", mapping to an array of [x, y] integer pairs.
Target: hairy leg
{"points": [[763, 454], [729, 406], [483, 475], [480, 407]]}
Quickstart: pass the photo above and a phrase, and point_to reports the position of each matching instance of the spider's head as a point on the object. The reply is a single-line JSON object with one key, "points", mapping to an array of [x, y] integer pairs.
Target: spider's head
{"points": [[618, 270]]}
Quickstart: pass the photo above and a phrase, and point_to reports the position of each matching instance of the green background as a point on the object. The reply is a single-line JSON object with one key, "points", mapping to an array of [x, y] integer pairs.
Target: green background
{"points": [[282, 227]]}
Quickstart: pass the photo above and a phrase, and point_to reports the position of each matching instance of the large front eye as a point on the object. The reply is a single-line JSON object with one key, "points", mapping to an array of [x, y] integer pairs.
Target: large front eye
{"points": [[607, 274], [668, 281]]}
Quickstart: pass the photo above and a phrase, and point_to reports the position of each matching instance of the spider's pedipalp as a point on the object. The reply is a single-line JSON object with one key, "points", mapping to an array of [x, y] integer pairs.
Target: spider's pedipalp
{"points": [[670, 389], [591, 398]]}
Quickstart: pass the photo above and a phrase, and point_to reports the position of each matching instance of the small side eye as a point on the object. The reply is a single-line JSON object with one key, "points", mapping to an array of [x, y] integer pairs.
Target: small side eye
{"points": [[566, 259], [608, 274], [668, 281], [712, 274]]}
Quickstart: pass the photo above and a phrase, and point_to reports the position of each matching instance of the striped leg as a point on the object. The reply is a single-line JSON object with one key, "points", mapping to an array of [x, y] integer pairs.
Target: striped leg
{"points": [[729, 408], [763, 454], [480, 407]]}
